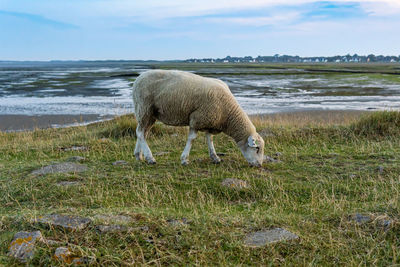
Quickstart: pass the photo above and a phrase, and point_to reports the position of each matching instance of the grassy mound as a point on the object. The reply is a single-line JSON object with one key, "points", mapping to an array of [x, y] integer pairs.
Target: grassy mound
{"points": [[378, 124]]}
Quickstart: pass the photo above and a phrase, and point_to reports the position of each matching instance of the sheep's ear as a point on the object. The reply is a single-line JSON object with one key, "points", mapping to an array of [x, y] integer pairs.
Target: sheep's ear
{"points": [[252, 142]]}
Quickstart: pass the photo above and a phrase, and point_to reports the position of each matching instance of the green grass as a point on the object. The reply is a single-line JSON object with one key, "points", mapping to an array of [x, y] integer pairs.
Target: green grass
{"points": [[328, 171]]}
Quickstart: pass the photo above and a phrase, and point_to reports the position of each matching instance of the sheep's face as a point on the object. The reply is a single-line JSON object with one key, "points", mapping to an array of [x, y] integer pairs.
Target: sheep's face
{"points": [[253, 149]]}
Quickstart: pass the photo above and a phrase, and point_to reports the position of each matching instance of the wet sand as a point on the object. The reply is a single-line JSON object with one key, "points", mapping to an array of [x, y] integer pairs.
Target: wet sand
{"points": [[11, 123]]}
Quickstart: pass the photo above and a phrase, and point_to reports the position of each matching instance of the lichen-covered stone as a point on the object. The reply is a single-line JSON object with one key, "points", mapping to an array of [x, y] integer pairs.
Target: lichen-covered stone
{"points": [[63, 254], [68, 222], [178, 222], [68, 183], [103, 229], [23, 245], [114, 219], [120, 162], [61, 168], [235, 183], [262, 238]]}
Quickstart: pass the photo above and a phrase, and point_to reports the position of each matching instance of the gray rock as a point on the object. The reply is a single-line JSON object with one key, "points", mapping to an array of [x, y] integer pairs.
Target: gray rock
{"points": [[235, 183], [65, 167], [68, 183], [178, 222], [23, 245], [103, 229], [119, 162], [76, 159], [64, 255], [110, 219], [262, 238], [68, 222], [359, 218], [380, 169], [75, 148]]}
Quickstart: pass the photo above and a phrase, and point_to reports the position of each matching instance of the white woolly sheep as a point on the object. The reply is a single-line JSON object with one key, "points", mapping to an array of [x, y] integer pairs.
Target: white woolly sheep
{"points": [[180, 98]]}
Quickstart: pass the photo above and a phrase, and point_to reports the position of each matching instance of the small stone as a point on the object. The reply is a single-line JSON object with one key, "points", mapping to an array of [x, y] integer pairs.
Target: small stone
{"points": [[61, 168], [63, 254], [75, 148], [262, 238], [68, 222], [178, 222], [23, 245], [119, 162], [278, 154], [120, 219], [235, 183], [161, 153], [68, 183], [380, 169], [359, 218], [76, 159], [103, 229]]}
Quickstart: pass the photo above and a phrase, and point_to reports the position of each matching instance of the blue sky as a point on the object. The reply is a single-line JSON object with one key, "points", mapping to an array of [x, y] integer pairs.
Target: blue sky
{"points": [[180, 29]]}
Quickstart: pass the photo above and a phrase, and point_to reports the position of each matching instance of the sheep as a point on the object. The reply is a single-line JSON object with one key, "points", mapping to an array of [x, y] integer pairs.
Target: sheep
{"points": [[181, 98]]}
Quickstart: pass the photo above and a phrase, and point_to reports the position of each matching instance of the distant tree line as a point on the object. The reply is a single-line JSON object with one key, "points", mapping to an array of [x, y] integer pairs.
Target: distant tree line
{"points": [[296, 59]]}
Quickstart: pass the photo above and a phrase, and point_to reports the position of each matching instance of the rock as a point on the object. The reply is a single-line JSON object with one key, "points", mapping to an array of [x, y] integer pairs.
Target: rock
{"points": [[235, 183], [23, 245], [68, 183], [380, 169], [76, 159], [68, 222], [161, 153], [63, 254], [120, 219], [178, 222], [103, 229], [262, 238], [119, 162], [75, 148], [359, 218], [61, 168]]}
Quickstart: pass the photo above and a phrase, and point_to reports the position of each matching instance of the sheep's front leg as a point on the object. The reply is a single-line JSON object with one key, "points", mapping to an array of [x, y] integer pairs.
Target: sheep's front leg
{"points": [[143, 147], [211, 149], [186, 151]]}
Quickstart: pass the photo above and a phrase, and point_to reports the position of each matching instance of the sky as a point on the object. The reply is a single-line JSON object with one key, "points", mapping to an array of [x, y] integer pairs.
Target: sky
{"points": [[181, 29]]}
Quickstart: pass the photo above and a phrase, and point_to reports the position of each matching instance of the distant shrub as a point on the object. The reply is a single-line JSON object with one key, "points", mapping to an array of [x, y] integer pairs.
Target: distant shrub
{"points": [[378, 124]]}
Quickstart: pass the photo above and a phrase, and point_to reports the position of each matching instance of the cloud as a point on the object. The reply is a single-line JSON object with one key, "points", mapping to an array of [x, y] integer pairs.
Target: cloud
{"points": [[38, 19]]}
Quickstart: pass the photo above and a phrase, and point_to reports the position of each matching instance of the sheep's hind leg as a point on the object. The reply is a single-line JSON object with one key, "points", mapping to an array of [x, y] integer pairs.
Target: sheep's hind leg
{"points": [[211, 149], [186, 151], [142, 146]]}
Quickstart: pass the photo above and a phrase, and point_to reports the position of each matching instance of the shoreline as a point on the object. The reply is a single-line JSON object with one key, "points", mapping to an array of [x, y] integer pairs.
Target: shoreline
{"points": [[20, 123]]}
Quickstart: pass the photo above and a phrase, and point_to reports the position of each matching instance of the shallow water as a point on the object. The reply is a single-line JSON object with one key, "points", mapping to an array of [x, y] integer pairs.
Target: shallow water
{"points": [[101, 88]]}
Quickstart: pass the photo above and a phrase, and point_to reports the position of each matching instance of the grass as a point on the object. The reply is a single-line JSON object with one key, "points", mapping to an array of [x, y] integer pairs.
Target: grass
{"points": [[331, 168]]}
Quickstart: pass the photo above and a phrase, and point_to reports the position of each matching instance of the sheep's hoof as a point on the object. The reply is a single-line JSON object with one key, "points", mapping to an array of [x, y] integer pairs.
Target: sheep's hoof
{"points": [[138, 157], [216, 160], [185, 162]]}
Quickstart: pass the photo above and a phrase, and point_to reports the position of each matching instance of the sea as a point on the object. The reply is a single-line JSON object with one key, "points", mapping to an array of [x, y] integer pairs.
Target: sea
{"points": [[105, 88]]}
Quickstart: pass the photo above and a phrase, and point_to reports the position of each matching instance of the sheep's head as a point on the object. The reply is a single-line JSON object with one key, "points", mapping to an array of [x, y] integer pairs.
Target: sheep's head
{"points": [[253, 149]]}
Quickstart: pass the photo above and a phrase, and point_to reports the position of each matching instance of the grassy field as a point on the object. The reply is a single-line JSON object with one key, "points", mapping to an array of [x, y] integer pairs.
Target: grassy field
{"points": [[330, 166]]}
